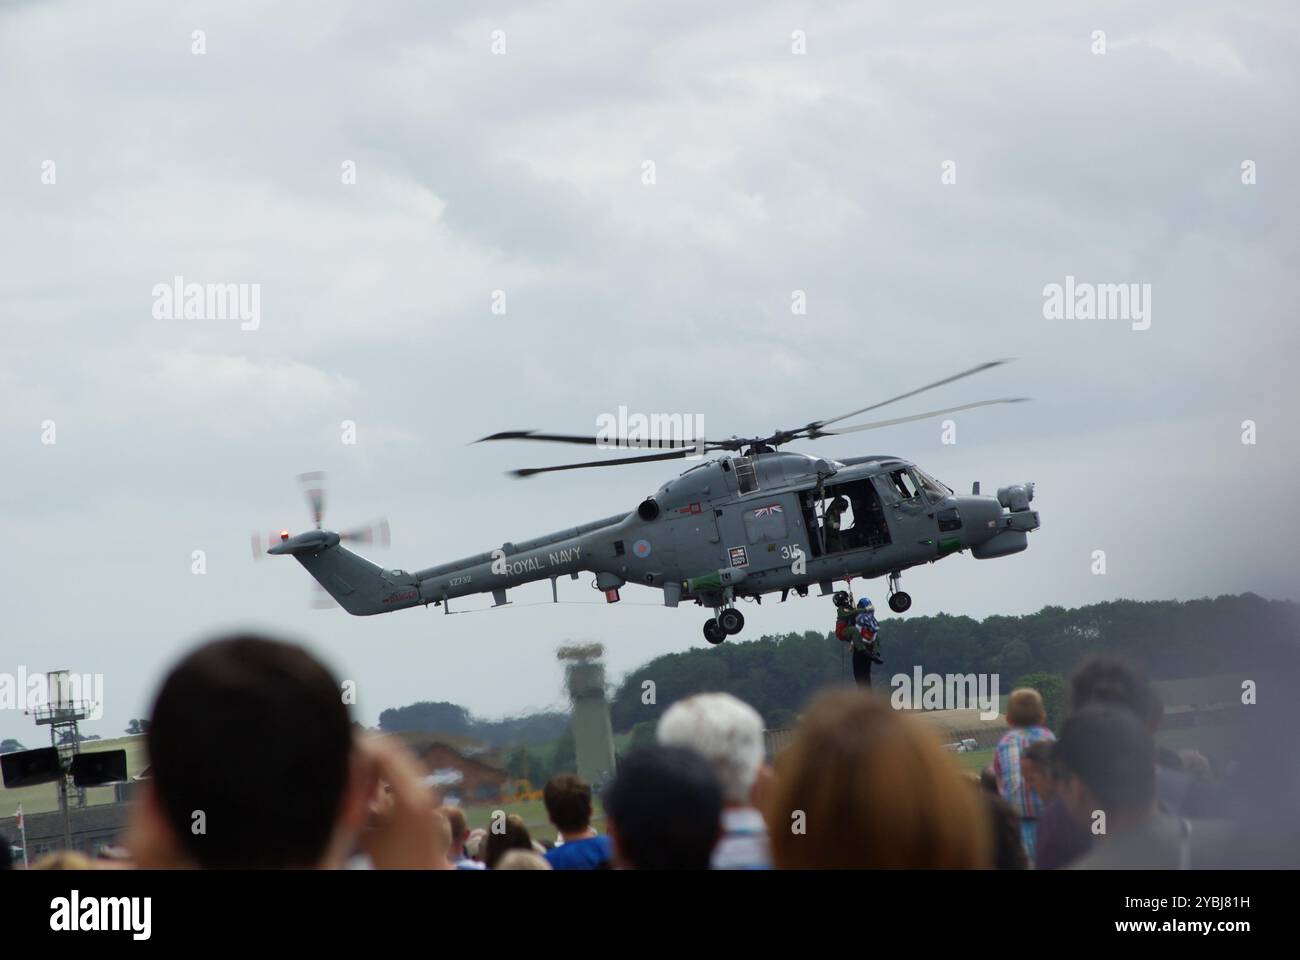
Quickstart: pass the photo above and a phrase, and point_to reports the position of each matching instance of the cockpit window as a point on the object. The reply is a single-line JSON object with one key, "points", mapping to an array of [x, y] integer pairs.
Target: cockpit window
{"points": [[746, 479], [902, 482], [935, 490]]}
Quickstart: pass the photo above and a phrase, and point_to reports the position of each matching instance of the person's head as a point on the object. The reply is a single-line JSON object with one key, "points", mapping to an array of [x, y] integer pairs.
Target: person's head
{"points": [[568, 803], [1025, 708], [476, 844], [513, 835], [866, 606], [250, 753], [1036, 766], [841, 599], [459, 828], [523, 860], [839, 504], [1107, 758], [443, 838], [870, 787], [664, 809], [64, 860], [727, 732], [1106, 678]]}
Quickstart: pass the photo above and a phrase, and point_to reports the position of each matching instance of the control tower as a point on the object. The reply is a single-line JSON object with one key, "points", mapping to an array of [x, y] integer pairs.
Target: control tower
{"points": [[593, 736]]}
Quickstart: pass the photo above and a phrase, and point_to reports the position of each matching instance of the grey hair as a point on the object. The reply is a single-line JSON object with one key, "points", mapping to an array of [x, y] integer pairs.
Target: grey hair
{"points": [[726, 731]]}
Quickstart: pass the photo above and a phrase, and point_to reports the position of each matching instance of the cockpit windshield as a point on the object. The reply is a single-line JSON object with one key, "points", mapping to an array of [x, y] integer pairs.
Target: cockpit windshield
{"points": [[934, 490]]}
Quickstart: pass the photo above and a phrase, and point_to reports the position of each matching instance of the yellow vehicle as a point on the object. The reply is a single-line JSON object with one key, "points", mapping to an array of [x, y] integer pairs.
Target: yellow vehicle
{"points": [[524, 792]]}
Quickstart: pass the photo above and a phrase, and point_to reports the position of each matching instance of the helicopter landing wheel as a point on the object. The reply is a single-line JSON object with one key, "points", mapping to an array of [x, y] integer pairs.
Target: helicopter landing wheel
{"points": [[900, 602], [731, 620], [713, 633]]}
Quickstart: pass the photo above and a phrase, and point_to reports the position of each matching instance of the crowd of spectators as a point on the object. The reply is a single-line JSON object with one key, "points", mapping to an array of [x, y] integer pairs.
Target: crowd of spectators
{"points": [[859, 785]]}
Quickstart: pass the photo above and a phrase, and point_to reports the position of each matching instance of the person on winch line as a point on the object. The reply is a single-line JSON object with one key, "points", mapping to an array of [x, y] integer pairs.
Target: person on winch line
{"points": [[866, 622], [848, 630]]}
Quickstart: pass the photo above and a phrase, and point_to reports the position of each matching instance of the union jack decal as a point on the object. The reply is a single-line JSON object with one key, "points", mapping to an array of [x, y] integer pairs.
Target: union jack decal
{"points": [[768, 511]]}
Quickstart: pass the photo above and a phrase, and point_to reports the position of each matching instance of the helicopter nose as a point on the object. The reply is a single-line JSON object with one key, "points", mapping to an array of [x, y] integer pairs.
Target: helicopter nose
{"points": [[981, 518], [997, 526]]}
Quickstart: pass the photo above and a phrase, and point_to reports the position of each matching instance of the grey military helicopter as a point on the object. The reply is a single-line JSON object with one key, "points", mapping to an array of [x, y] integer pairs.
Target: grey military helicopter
{"points": [[752, 521]]}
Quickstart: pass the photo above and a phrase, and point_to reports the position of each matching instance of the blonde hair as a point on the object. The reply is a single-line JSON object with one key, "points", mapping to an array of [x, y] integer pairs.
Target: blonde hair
{"points": [[864, 786], [64, 860], [442, 825], [523, 860], [1025, 708]]}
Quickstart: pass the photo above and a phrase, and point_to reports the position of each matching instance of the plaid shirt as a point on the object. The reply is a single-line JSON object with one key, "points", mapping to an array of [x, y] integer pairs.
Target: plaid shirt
{"points": [[1011, 782], [1006, 766]]}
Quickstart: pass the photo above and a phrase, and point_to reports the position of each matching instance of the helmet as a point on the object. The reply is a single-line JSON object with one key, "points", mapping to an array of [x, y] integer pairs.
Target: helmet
{"points": [[840, 503], [865, 604], [841, 598]]}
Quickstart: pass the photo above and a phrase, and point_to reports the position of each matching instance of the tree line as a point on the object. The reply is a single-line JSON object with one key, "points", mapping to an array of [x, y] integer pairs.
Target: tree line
{"points": [[779, 674], [1169, 639]]}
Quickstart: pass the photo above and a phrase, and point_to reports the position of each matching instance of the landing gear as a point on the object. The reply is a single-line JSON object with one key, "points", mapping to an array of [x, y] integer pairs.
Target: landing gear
{"points": [[728, 622], [899, 601], [731, 620]]}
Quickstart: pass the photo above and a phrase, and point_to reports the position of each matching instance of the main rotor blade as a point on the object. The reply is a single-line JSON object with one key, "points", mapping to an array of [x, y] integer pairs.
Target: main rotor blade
{"points": [[919, 416], [613, 443], [645, 458], [535, 435], [815, 426]]}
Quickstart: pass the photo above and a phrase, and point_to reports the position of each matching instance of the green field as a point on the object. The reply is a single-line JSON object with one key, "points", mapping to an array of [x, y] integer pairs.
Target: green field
{"points": [[975, 761], [1210, 741]]}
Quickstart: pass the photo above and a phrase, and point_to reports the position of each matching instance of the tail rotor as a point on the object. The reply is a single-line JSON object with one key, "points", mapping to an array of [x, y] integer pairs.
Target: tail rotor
{"points": [[373, 534]]}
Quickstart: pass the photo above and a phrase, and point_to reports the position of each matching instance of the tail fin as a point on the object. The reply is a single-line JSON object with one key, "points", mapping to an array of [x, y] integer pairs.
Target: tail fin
{"points": [[361, 588]]}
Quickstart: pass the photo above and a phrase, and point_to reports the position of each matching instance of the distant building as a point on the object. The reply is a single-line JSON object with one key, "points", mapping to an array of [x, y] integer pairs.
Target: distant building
{"points": [[93, 827], [460, 767]]}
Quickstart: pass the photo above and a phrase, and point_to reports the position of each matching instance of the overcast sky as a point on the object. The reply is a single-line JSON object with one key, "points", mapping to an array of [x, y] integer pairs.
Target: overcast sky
{"points": [[525, 171]]}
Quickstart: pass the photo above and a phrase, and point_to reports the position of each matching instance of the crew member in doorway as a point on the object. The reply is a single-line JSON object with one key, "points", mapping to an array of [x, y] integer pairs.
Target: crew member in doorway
{"points": [[834, 520]]}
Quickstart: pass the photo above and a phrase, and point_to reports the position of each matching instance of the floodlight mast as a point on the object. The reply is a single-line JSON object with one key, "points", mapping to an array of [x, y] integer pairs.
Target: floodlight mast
{"points": [[61, 714]]}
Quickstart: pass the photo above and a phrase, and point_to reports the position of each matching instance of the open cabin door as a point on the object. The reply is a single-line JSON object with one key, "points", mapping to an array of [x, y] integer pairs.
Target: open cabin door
{"points": [[862, 522]]}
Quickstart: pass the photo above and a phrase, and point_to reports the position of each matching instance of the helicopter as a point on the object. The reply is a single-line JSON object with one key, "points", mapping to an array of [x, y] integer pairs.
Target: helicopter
{"points": [[751, 521]]}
